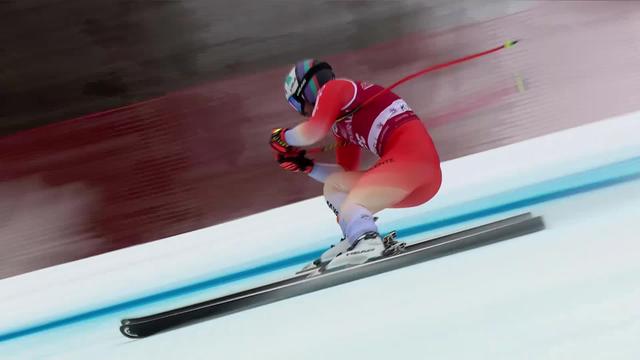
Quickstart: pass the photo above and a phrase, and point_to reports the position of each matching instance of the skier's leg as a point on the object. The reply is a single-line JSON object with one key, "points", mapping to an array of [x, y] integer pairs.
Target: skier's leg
{"points": [[371, 192], [337, 186], [420, 195], [407, 175], [356, 213], [361, 238], [336, 189]]}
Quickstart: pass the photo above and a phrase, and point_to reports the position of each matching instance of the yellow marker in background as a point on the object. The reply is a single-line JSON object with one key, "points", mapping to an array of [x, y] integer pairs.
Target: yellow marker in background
{"points": [[510, 43], [519, 82]]}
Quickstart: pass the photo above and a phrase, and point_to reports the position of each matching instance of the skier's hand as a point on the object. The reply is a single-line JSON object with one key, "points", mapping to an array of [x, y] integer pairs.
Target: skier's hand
{"points": [[278, 142], [295, 161]]}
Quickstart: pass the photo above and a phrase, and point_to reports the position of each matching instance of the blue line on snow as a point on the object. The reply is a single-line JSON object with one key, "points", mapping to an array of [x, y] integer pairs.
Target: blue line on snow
{"points": [[554, 189]]}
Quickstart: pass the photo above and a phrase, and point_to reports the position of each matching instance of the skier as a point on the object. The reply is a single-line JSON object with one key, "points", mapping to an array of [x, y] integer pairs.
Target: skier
{"points": [[408, 170]]}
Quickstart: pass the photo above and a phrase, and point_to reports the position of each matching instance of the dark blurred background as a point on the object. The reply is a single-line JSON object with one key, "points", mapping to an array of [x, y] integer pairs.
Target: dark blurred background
{"points": [[124, 122], [62, 59]]}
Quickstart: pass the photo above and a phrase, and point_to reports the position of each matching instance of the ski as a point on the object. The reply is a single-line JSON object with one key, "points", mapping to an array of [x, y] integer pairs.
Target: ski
{"points": [[307, 282]]}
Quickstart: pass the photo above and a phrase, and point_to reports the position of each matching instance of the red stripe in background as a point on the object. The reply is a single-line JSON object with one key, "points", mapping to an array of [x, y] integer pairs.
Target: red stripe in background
{"points": [[199, 156]]}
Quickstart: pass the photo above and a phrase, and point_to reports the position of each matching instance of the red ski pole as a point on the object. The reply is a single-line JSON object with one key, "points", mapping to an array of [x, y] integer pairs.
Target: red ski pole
{"points": [[507, 44]]}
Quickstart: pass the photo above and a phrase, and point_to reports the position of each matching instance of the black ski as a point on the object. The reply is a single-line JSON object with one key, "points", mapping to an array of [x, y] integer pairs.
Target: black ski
{"points": [[304, 283]]}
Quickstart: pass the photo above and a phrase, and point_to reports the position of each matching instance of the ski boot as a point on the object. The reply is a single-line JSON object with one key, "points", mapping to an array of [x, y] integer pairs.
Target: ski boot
{"points": [[368, 246], [390, 244], [318, 264], [337, 249]]}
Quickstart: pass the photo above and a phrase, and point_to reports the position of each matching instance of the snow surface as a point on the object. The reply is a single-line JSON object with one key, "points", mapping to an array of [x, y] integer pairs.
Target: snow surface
{"points": [[571, 291]]}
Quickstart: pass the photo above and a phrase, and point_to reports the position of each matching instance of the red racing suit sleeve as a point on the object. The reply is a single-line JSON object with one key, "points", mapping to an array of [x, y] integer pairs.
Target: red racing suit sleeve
{"points": [[332, 98]]}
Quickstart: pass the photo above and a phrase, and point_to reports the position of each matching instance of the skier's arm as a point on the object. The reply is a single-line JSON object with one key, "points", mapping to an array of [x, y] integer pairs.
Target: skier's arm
{"points": [[331, 99], [348, 158], [321, 171]]}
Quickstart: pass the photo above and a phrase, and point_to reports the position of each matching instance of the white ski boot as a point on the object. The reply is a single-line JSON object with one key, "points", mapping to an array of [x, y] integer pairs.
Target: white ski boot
{"points": [[389, 242], [335, 250], [367, 246], [318, 265]]}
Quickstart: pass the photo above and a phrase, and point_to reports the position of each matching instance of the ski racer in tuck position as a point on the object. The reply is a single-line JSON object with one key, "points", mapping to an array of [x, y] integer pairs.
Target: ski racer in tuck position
{"points": [[406, 174]]}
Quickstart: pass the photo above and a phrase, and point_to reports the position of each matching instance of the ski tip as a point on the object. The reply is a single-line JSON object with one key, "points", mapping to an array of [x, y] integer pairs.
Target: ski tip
{"points": [[125, 322], [126, 331]]}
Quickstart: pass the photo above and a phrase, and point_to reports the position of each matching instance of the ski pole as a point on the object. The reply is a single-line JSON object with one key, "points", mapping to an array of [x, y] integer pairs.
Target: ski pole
{"points": [[507, 44]]}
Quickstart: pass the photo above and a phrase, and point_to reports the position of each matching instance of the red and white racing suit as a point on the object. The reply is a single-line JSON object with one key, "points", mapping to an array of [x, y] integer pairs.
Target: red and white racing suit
{"points": [[408, 170]]}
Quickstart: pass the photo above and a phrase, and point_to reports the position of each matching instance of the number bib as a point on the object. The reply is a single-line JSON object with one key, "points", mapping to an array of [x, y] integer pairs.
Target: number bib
{"points": [[370, 126]]}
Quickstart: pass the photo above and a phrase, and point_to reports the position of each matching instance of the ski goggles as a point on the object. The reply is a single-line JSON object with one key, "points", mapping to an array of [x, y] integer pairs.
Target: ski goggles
{"points": [[297, 103], [296, 98]]}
